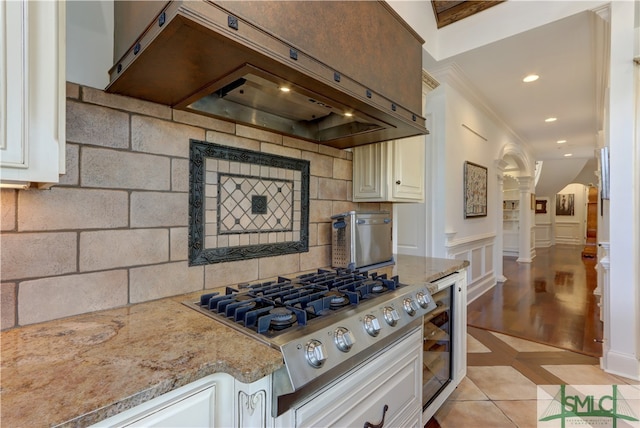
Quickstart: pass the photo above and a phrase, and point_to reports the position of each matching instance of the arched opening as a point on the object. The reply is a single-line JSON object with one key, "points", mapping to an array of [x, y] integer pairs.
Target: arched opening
{"points": [[515, 174]]}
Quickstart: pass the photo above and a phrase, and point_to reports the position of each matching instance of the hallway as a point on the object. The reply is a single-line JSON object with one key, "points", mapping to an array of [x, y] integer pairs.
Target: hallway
{"points": [[548, 301]]}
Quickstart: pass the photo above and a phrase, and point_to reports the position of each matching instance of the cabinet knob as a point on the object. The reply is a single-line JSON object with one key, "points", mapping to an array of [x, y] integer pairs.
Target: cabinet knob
{"points": [[398, 182]]}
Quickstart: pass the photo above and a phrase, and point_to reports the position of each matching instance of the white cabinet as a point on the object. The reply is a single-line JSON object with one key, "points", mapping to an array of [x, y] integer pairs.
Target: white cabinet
{"points": [[390, 171], [214, 401], [392, 380], [32, 92]]}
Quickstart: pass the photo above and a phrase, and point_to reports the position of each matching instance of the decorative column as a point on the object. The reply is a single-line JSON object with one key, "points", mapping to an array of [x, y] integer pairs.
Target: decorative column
{"points": [[524, 250], [499, 243]]}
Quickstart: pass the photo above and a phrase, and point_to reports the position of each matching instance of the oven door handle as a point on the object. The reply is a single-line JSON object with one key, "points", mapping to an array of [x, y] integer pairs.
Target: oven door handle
{"points": [[381, 424]]}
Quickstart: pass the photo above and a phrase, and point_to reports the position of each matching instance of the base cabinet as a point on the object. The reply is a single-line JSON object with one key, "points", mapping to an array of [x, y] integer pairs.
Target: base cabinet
{"points": [[392, 381], [214, 401]]}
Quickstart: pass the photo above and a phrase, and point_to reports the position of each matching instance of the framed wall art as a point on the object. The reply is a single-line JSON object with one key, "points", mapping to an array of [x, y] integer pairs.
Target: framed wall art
{"points": [[564, 204], [541, 206], [475, 190]]}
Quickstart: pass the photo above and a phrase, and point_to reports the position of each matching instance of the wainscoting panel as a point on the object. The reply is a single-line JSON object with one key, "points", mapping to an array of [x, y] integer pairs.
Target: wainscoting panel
{"points": [[478, 250], [543, 235], [568, 233]]}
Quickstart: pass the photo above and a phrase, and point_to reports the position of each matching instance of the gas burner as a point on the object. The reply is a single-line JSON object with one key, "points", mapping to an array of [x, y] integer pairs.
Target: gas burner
{"points": [[282, 318], [378, 288], [338, 299], [244, 297]]}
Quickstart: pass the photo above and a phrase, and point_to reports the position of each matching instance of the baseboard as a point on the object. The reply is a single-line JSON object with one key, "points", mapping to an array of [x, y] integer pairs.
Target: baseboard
{"points": [[625, 365], [479, 288]]}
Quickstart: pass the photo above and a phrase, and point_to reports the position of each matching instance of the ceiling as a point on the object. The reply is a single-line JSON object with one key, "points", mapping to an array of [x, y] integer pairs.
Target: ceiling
{"points": [[449, 11], [563, 54]]}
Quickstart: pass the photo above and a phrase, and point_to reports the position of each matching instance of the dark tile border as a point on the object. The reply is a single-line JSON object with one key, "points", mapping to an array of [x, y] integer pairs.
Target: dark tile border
{"points": [[199, 151]]}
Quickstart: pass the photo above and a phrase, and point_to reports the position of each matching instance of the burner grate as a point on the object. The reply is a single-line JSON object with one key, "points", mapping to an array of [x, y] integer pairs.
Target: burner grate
{"points": [[273, 306]]}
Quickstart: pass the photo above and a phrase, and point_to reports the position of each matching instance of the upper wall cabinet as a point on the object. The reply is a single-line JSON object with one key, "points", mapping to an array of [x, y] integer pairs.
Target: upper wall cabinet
{"points": [[32, 93], [391, 171]]}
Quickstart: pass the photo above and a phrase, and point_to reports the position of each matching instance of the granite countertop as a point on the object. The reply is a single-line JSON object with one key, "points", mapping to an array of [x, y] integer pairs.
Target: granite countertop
{"points": [[79, 370]]}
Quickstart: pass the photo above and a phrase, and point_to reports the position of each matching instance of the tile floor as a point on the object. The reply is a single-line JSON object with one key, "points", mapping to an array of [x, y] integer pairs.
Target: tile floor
{"points": [[503, 371]]}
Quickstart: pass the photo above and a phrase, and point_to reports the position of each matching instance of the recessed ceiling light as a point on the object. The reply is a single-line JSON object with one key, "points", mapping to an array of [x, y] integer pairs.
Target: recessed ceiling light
{"points": [[348, 114], [285, 89], [530, 78], [561, 141], [566, 155], [551, 119]]}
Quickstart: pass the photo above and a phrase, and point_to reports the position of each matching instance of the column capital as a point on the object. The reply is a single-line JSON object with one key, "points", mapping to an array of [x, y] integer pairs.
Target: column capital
{"points": [[525, 183]]}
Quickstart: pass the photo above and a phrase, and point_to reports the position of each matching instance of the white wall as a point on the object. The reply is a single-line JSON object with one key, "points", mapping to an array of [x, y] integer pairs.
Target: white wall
{"points": [[89, 42], [462, 130], [544, 236], [571, 229]]}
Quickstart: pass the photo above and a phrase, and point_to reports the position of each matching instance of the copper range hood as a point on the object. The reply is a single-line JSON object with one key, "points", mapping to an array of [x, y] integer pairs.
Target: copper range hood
{"points": [[338, 73]]}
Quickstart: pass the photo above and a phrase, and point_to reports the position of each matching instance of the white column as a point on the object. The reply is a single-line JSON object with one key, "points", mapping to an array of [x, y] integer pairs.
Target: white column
{"points": [[524, 235], [498, 258], [622, 348]]}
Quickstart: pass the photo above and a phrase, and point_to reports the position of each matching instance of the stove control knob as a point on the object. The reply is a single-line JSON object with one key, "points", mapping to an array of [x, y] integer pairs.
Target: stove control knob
{"points": [[314, 351], [410, 306], [423, 299], [390, 315], [371, 325], [344, 339]]}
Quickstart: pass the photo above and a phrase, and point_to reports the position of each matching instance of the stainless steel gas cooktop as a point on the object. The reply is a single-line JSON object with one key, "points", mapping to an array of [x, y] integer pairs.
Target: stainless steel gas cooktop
{"points": [[320, 320]]}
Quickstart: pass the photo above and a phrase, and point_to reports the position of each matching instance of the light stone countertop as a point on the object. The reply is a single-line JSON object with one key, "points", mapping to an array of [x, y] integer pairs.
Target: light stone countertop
{"points": [[80, 370]]}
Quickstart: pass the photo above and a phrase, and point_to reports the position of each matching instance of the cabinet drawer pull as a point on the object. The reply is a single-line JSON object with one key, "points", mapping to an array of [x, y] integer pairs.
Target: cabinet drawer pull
{"points": [[381, 424]]}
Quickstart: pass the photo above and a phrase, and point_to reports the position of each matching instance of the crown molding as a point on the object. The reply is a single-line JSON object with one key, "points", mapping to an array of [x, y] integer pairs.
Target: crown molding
{"points": [[429, 80]]}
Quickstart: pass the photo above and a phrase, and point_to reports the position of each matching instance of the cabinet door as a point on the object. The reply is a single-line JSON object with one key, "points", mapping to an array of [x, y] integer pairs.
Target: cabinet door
{"points": [[408, 169], [207, 402], [392, 379], [369, 172], [32, 92], [196, 410]]}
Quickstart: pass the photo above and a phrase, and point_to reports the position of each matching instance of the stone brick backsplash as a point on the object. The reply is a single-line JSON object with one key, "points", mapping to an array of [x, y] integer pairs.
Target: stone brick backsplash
{"points": [[114, 231]]}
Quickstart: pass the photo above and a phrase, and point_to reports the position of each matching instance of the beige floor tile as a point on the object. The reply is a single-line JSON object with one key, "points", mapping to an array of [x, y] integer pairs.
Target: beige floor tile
{"points": [[476, 414], [585, 375], [522, 345], [502, 383], [474, 346], [522, 412], [466, 391]]}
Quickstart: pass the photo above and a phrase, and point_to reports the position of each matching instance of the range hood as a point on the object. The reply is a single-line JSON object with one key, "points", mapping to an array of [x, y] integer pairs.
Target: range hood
{"points": [[337, 73]]}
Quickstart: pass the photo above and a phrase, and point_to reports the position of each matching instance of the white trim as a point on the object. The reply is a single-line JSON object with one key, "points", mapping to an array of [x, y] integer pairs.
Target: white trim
{"points": [[453, 243], [619, 364], [480, 287]]}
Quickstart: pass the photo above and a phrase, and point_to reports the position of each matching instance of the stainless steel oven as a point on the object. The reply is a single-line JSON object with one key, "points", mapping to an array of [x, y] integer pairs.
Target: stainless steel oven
{"points": [[326, 324]]}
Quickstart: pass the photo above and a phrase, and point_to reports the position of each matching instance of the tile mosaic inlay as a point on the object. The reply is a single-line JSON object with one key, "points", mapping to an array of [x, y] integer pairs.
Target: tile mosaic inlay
{"points": [[245, 204], [254, 204]]}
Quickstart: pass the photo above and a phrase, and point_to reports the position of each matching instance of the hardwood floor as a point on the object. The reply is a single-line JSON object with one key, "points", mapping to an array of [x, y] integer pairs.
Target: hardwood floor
{"points": [[548, 301]]}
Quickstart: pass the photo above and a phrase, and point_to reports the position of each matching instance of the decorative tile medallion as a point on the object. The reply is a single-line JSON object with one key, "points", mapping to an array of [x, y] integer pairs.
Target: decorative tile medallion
{"points": [[245, 204]]}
